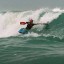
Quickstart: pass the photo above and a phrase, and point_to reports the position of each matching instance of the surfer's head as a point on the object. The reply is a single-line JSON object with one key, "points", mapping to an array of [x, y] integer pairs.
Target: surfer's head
{"points": [[31, 20]]}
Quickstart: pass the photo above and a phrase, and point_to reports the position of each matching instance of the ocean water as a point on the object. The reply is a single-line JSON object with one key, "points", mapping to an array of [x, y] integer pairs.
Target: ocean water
{"points": [[44, 44]]}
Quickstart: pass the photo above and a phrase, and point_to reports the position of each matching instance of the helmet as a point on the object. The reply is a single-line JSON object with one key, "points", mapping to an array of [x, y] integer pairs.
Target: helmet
{"points": [[31, 20]]}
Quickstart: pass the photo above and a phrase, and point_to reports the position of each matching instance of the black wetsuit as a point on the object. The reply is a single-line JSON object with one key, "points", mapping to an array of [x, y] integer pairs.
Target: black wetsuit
{"points": [[29, 26]]}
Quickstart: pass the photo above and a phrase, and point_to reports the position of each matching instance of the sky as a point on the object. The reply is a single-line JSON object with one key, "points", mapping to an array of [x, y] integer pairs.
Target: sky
{"points": [[22, 5]]}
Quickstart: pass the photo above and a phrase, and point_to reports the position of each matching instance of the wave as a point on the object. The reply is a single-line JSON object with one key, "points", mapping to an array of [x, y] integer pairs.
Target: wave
{"points": [[56, 27], [10, 21]]}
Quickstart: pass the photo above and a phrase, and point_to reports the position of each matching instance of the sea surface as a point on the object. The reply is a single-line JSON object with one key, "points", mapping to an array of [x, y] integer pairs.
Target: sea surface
{"points": [[43, 44]]}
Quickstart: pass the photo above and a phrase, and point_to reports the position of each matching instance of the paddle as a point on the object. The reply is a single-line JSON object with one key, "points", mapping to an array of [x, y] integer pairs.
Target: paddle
{"points": [[42, 23], [22, 23]]}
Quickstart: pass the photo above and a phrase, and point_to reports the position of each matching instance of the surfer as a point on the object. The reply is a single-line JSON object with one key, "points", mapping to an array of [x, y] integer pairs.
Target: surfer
{"points": [[30, 24]]}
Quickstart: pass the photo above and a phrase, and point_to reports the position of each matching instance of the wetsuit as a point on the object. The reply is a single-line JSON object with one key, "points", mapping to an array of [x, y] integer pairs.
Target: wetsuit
{"points": [[29, 26]]}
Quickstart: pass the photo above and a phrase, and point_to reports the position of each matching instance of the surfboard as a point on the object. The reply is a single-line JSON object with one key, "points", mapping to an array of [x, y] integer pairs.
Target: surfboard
{"points": [[23, 31]]}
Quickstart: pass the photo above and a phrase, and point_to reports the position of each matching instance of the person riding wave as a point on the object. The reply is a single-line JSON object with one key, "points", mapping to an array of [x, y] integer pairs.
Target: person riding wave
{"points": [[30, 24]]}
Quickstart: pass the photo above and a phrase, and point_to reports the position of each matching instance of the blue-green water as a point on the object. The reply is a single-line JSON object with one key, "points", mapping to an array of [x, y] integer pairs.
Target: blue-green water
{"points": [[31, 50], [37, 47]]}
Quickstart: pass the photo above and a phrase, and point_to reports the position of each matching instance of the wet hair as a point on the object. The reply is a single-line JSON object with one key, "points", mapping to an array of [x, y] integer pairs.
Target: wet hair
{"points": [[31, 20]]}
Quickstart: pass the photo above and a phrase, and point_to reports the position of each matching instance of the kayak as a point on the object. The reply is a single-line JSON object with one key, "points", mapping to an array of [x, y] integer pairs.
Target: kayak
{"points": [[23, 31]]}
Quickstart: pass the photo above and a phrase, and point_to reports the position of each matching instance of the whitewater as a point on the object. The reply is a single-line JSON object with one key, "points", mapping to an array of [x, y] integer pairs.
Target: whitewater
{"points": [[10, 21]]}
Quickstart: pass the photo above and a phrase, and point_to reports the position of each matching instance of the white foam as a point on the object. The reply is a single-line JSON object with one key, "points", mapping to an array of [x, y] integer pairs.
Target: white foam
{"points": [[49, 16], [31, 34]]}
